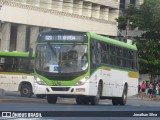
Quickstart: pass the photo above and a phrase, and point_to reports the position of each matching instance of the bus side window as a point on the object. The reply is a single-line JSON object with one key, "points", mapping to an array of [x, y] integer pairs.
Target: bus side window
{"points": [[1, 64], [98, 55], [113, 54], [121, 57], [93, 54], [2, 67], [126, 58], [135, 61]]}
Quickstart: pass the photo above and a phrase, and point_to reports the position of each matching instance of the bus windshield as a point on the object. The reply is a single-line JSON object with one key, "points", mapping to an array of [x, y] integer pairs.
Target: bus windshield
{"points": [[63, 58]]}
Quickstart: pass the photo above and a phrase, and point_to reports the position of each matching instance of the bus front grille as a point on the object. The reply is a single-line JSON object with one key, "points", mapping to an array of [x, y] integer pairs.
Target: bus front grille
{"points": [[60, 88]]}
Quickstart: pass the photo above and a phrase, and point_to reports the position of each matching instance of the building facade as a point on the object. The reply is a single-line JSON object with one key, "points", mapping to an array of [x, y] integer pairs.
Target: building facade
{"points": [[123, 5], [22, 20]]}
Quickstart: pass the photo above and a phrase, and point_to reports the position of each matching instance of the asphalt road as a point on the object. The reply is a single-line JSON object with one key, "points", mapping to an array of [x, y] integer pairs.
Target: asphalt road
{"points": [[105, 110]]}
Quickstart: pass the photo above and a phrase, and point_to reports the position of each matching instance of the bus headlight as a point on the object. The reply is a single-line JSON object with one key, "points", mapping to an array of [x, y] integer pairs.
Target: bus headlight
{"points": [[39, 81], [82, 81]]}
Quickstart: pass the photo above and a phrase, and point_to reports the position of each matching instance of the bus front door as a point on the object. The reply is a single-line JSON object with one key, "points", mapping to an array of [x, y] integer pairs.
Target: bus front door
{"points": [[107, 82]]}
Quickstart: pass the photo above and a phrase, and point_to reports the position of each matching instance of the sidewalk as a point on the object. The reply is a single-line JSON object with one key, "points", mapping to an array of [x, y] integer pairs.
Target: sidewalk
{"points": [[146, 98], [157, 98]]}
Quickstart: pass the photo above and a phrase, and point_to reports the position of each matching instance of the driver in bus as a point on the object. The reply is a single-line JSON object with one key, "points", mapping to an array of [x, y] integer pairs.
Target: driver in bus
{"points": [[84, 61]]}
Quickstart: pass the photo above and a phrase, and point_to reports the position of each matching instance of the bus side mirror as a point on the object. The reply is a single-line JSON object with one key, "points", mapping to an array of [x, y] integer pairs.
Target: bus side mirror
{"points": [[30, 52]]}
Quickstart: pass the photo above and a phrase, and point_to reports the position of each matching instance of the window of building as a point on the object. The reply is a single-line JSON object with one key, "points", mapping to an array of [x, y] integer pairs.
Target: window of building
{"points": [[133, 2], [122, 4], [13, 36]]}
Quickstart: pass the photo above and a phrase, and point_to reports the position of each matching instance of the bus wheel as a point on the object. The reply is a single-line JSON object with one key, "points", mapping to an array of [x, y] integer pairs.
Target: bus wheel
{"points": [[123, 99], [82, 100], [52, 99], [95, 99], [26, 90], [40, 95], [115, 101], [79, 100], [86, 100]]}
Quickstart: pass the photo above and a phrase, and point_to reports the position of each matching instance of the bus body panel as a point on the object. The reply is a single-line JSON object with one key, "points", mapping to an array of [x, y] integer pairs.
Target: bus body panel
{"points": [[16, 68], [113, 86], [73, 90], [132, 86], [5, 81], [12, 82], [107, 89], [114, 81], [117, 77]]}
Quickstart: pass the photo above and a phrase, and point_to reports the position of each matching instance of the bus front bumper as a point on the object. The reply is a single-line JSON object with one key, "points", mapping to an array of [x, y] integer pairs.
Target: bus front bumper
{"points": [[64, 90]]}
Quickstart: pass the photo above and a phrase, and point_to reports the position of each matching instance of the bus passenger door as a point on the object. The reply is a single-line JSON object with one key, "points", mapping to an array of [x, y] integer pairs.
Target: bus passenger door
{"points": [[107, 89]]}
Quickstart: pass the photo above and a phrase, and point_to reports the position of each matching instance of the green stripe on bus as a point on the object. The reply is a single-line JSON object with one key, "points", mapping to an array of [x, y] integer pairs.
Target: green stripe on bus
{"points": [[112, 41], [15, 54], [111, 68], [16, 73], [63, 83]]}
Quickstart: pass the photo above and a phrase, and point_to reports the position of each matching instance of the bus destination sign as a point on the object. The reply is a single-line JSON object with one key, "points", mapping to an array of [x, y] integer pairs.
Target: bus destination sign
{"points": [[61, 37], [66, 38]]}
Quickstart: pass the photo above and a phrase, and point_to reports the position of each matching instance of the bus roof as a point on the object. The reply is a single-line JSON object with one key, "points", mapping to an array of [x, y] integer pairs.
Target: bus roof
{"points": [[112, 41], [15, 54], [92, 35]]}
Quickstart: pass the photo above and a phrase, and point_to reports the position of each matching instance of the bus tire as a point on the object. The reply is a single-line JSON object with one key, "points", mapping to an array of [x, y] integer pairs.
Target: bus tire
{"points": [[86, 100], [123, 99], [40, 95], [95, 99], [52, 99], [79, 100], [82, 100], [115, 101], [26, 90]]}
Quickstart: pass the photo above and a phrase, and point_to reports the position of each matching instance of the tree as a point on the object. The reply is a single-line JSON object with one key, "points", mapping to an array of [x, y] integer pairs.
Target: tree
{"points": [[149, 52], [128, 16], [146, 18]]}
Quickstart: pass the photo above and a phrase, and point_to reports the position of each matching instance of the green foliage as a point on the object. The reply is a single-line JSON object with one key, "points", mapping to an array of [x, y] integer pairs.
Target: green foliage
{"points": [[122, 22], [149, 62], [129, 14], [149, 52], [146, 18], [130, 11]]}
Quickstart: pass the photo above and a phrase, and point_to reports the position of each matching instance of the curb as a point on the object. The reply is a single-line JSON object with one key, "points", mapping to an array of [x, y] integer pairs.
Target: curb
{"points": [[31, 101], [152, 99], [20, 101]]}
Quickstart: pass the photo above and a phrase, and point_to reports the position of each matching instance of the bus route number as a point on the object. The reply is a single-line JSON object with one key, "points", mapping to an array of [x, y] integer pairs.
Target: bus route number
{"points": [[48, 37]]}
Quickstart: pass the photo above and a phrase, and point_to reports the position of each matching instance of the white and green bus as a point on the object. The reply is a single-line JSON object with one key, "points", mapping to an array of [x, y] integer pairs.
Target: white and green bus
{"points": [[16, 72], [86, 66]]}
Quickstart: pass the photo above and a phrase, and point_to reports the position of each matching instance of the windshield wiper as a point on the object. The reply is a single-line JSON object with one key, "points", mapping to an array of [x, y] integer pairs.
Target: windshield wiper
{"points": [[52, 49], [59, 64]]}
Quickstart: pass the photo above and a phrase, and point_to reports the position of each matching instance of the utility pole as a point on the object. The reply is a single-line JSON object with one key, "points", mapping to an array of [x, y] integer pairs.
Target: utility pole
{"points": [[127, 28]]}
